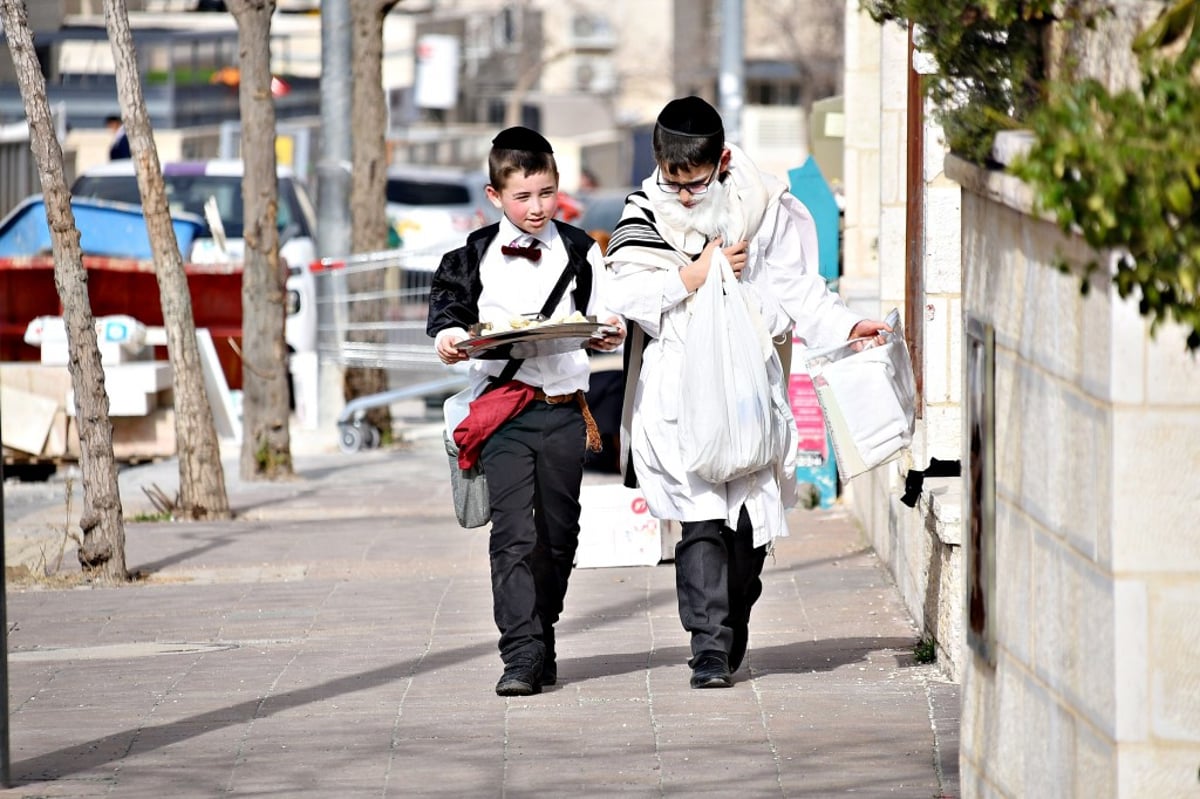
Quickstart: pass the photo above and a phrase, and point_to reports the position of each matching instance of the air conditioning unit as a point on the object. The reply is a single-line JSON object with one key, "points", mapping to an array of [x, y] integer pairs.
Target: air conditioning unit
{"points": [[591, 32], [595, 74], [775, 136]]}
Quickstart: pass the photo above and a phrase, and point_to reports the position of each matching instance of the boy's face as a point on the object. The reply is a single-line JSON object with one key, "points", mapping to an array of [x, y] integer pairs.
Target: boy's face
{"points": [[692, 185], [529, 201]]}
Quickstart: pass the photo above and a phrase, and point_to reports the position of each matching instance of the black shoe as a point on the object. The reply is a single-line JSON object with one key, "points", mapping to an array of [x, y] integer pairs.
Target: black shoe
{"points": [[522, 677], [550, 671], [711, 671]]}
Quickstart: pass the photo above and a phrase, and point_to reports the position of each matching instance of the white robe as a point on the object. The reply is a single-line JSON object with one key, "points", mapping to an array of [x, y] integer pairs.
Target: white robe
{"points": [[781, 273]]}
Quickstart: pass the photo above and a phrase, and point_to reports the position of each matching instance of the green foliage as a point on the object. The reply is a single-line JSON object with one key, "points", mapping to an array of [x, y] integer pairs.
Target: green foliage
{"points": [[990, 62], [182, 76], [157, 516], [1123, 171], [271, 461], [925, 650]]}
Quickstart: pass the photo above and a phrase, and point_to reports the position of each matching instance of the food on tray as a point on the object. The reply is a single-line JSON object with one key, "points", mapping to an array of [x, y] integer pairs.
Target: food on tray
{"points": [[526, 323], [530, 337]]}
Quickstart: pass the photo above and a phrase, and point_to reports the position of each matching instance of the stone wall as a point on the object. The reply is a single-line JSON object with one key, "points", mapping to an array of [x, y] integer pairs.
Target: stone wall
{"points": [[1092, 686], [860, 164]]}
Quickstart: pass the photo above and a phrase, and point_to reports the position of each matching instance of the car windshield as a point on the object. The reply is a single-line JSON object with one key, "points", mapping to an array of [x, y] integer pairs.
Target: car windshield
{"points": [[188, 193], [409, 191]]}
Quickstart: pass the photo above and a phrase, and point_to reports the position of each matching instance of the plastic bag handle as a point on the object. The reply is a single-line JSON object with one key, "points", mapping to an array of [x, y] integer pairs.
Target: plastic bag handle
{"points": [[720, 261], [893, 321]]}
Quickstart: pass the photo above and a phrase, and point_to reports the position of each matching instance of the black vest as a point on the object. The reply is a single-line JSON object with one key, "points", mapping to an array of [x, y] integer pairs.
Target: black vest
{"points": [[454, 294]]}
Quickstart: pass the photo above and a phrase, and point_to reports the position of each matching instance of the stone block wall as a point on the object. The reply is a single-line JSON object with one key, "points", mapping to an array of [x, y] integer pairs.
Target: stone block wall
{"points": [[1094, 688], [860, 164]]}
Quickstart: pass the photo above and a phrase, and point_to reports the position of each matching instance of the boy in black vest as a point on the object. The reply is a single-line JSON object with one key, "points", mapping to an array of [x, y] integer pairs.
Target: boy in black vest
{"points": [[534, 460]]}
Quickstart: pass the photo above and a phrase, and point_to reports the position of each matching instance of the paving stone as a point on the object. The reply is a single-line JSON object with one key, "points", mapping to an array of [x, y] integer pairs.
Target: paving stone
{"points": [[341, 644]]}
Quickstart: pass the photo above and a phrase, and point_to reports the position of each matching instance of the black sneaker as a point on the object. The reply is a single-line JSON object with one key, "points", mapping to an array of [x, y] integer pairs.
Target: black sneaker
{"points": [[711, 671], [522, 677]]}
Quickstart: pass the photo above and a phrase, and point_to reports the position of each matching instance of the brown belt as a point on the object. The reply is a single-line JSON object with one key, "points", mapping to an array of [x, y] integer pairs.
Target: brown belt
{"points": [[553, 399], [593, 433]]}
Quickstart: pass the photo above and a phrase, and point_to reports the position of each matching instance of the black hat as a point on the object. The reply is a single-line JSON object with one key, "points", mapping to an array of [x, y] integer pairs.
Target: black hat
{"points": [[519, 138], [691, 116]]}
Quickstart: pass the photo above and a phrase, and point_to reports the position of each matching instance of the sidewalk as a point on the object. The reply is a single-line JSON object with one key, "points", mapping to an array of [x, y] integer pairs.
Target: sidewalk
{"points": [[336, 640]]}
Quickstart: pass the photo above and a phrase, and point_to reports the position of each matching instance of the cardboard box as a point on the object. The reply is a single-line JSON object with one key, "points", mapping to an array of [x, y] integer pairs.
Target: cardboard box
{"points": [[616, 529], [38, 421], [134, 389]]}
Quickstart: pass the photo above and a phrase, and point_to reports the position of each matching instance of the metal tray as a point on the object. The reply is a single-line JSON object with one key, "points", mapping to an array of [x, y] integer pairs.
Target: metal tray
{"points": [[532, 342]]}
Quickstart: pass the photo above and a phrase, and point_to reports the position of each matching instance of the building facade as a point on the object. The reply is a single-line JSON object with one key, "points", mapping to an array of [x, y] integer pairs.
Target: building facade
{"points": [[1074, 572]]}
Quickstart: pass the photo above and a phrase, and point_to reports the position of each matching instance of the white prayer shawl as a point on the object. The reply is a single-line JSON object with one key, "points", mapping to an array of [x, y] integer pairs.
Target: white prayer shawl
{"points": [[781, 271]]}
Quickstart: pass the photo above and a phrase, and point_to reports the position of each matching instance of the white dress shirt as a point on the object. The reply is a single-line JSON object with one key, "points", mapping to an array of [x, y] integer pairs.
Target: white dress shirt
{"points": [[513, 286]]}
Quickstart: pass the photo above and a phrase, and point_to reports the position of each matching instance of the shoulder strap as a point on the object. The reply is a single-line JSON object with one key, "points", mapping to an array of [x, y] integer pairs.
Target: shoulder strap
{"points": [[556, 293], [508, 373], [510, 368], [578, 242]]}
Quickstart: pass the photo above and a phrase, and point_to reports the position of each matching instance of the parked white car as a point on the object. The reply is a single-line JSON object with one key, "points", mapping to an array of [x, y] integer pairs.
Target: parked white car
{"points": [[436, 207]]}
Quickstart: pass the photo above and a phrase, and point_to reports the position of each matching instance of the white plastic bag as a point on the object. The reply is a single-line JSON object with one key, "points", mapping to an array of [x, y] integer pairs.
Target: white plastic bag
{"points": [[468, 487], [729, 427], [868, 398], [456, 407]]}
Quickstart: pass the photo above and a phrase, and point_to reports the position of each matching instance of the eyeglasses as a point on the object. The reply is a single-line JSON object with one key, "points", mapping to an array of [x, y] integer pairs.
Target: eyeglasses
{"points": [[694, 189]]}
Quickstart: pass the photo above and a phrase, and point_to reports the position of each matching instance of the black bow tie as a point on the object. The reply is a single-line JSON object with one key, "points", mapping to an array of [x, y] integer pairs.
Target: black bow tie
{"points": [[533, 253]]}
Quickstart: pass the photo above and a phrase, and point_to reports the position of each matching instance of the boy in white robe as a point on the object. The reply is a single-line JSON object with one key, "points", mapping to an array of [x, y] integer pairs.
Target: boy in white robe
{"points": [[707, 194]]}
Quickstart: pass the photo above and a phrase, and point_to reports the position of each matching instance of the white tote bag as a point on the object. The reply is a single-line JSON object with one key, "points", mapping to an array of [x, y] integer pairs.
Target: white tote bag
{"points": [[868, 398], [468, 487], [728, 425]]}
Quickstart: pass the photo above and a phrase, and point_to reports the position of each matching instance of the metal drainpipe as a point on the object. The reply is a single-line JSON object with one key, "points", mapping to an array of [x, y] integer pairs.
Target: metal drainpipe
{"points": [[731, 86], [333, 167]]}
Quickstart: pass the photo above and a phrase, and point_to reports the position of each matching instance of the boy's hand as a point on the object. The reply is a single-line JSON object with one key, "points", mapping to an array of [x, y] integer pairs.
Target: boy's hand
{"points": [[694, 274], [736, 254], [447, 352], [868, 328], [611, 340]]}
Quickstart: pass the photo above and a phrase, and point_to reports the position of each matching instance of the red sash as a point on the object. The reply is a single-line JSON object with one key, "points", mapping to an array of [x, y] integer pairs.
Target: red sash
{"points": [[488, 412]]}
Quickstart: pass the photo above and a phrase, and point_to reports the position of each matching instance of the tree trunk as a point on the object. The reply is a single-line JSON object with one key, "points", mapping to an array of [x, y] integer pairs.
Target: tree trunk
{"points": [[102, 548], [266, 439], [201, 477], [368, 188]]}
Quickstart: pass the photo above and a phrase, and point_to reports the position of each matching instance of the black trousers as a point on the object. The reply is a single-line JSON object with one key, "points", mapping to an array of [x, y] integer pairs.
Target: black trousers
{"points": [[534, 468], [717, 579]]}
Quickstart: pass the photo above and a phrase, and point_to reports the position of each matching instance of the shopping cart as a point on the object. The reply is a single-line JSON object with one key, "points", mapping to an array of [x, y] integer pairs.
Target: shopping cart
{"points": [[371, 312]]}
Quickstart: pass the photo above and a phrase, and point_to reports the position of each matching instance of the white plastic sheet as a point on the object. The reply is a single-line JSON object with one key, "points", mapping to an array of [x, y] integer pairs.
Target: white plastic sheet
{"points": [[868, 398]]}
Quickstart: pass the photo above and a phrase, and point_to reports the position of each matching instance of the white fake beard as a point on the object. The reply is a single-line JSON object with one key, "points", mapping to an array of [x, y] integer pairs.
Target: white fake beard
{"points": [[708, 217]]}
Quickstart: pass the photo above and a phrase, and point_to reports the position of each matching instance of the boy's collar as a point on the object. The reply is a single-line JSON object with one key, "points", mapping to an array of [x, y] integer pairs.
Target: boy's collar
{"points": [[509, 231]]}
